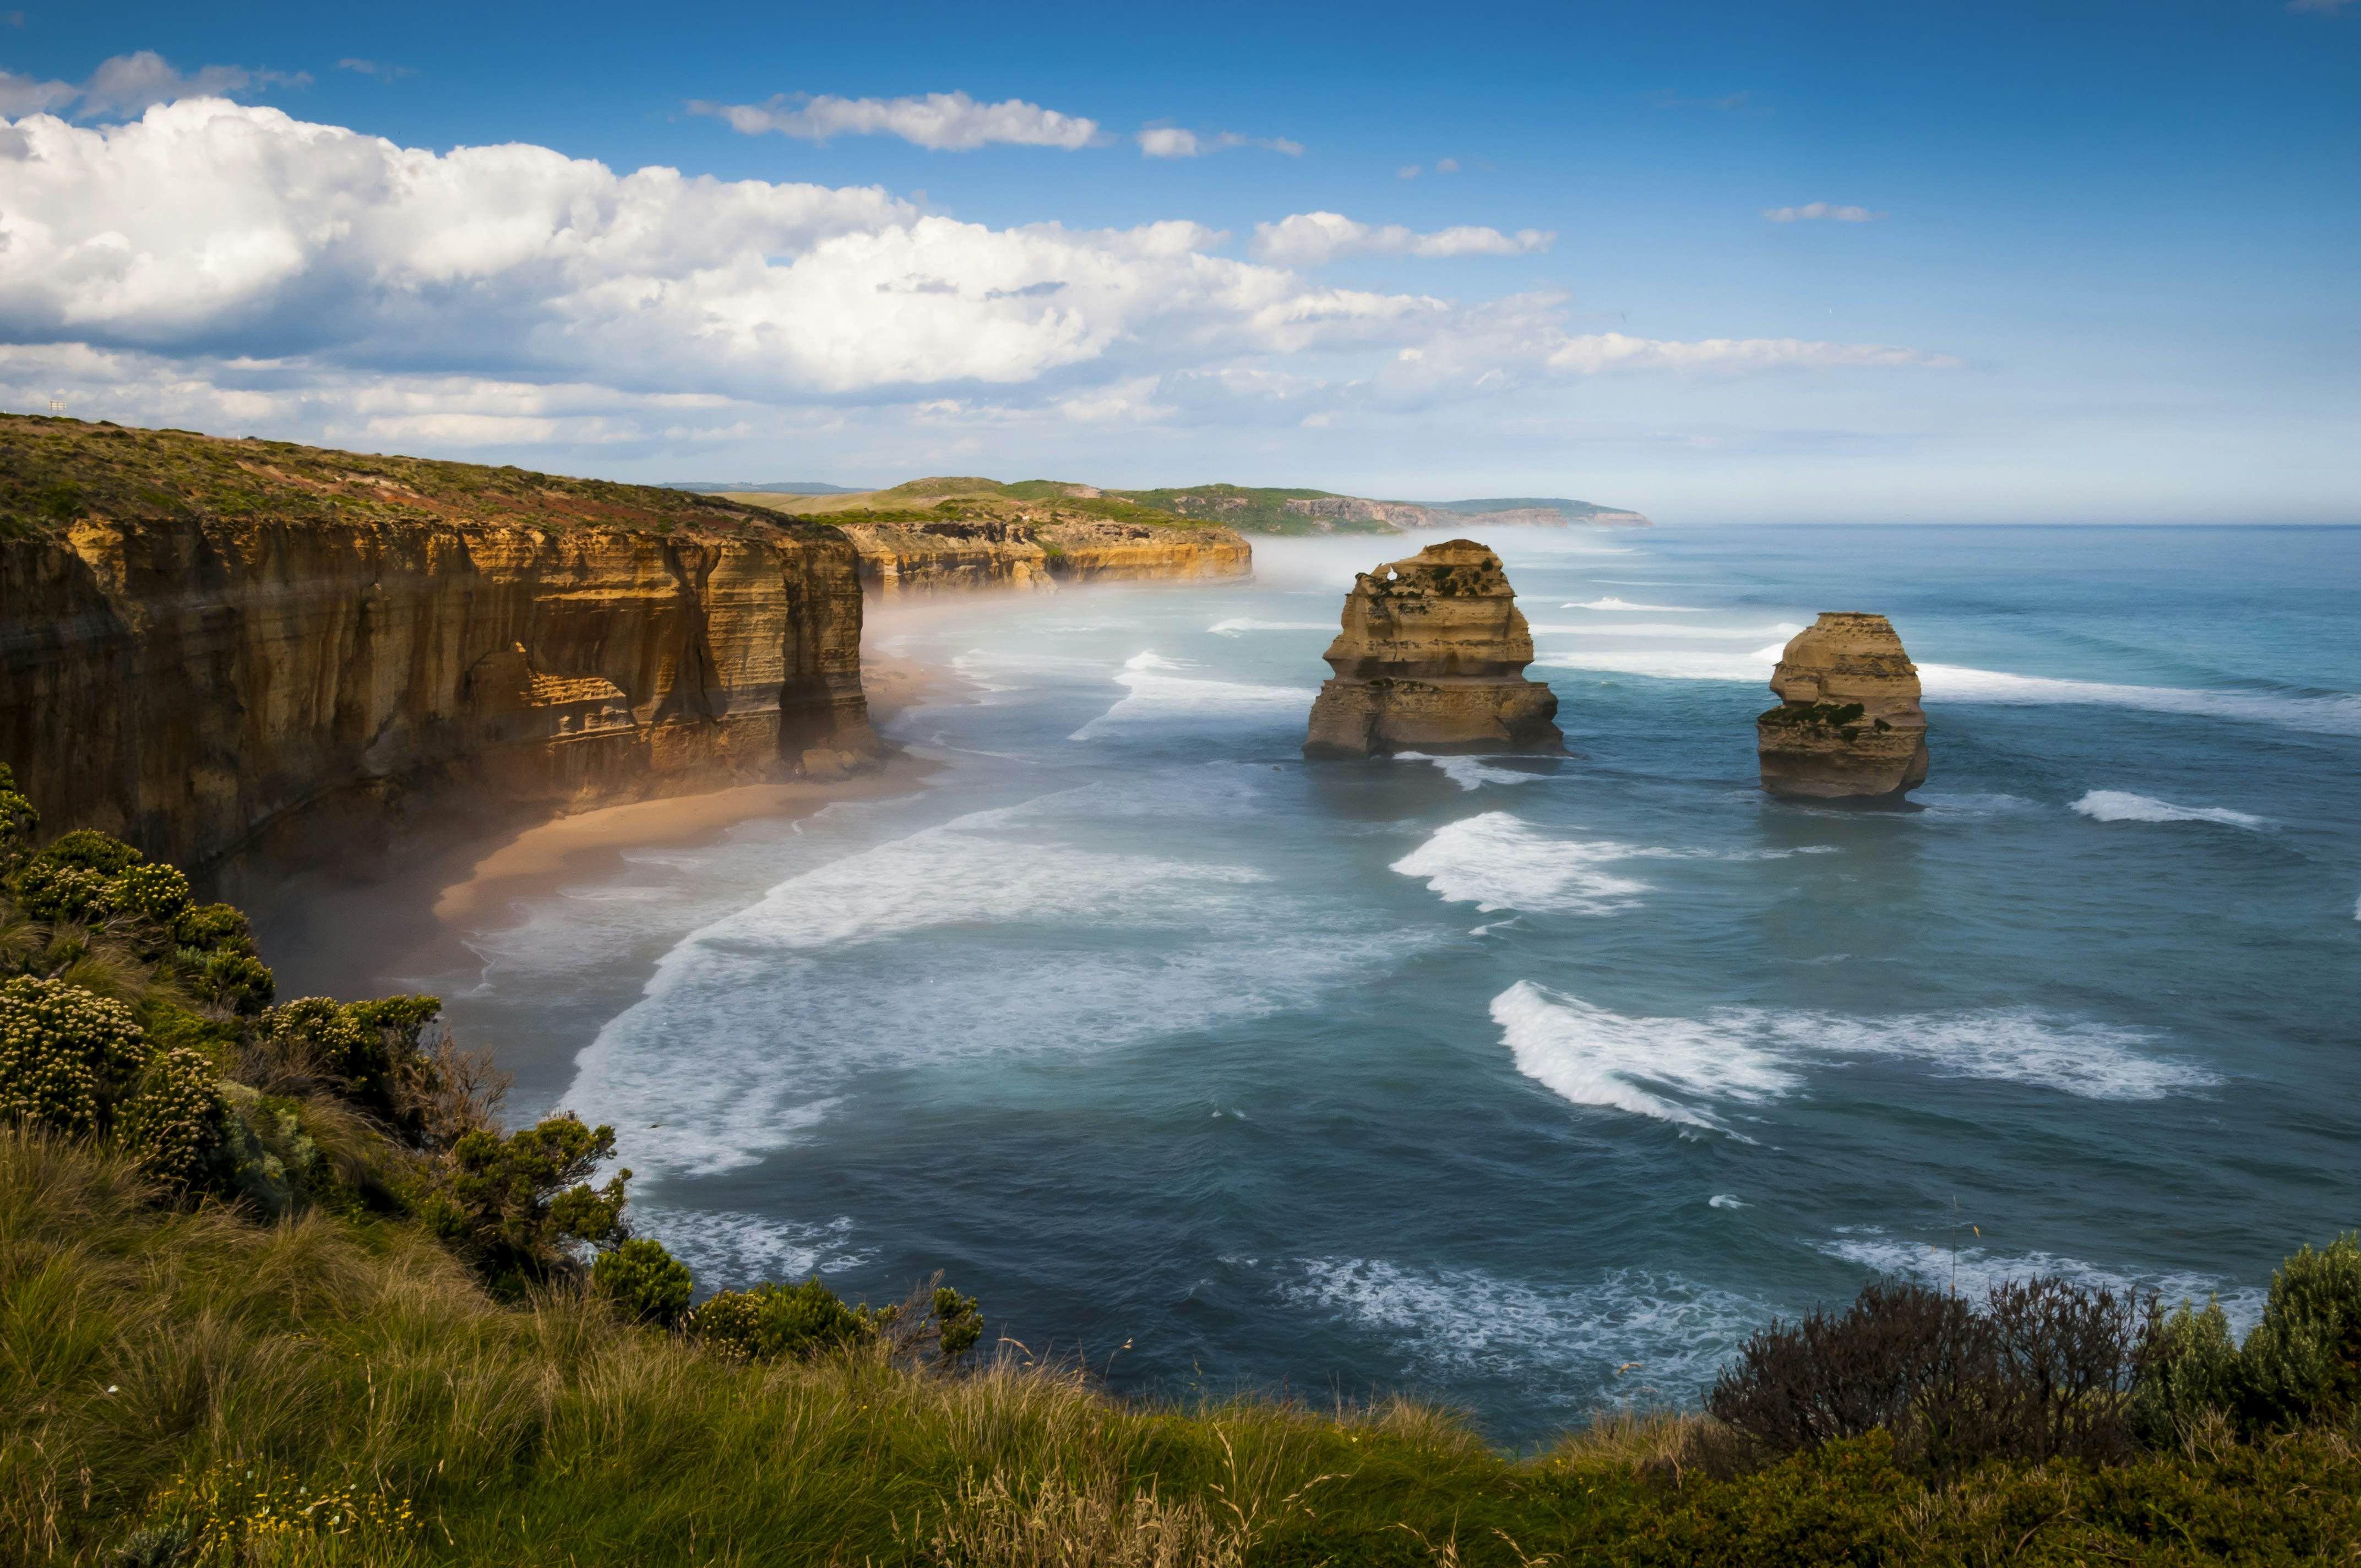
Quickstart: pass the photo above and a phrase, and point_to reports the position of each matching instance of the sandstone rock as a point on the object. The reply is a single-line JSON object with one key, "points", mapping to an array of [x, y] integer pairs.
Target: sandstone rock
{"points": [[959, 554], [1432, 658], [1848, 721]]}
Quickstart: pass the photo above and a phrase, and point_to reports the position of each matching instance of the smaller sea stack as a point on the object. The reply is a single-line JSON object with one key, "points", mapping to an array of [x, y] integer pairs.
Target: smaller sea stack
{"points": [[1432, 658], [1848, 723]]}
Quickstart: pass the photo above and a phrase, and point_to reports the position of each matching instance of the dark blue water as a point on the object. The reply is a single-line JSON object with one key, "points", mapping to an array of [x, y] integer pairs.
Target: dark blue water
{"points": [[1534, 1085]]}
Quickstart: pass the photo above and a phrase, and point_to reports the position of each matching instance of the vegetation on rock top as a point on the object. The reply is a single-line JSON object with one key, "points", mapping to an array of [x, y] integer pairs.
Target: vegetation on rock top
{"points": [[56, 472]]}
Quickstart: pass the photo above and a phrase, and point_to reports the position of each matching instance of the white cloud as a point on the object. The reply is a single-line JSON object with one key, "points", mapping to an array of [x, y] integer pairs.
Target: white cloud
{"points": [[1446, 166], [1822, 210], [1175, 141], [1407, 172], [27, 96], [377, 68], [130, 82], [231, 267], [1310, 239], [943, 122]]}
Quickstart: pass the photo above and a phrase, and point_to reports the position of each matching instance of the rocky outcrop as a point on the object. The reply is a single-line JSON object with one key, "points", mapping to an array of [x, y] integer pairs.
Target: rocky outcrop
{"points": [[1326, 511], [1432, 658], [956, 554], [202, 685], [1848, 721]]}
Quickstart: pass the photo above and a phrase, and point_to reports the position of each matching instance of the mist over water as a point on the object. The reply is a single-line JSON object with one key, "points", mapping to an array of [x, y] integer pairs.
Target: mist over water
{"points": [[1534, 1084]]}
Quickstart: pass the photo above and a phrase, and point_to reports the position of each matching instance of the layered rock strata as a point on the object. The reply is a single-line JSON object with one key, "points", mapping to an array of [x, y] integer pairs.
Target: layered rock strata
{"points": [[197, 684], [1848, 723], [1432, 658], [958, 554]]}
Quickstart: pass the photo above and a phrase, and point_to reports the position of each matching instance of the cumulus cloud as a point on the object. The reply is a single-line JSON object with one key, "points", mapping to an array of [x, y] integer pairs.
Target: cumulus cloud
{"points": [[27, 95], [131, 83], [231, 267], [1826, 209], [1173, 141], [1309, 239], [941, 122]]}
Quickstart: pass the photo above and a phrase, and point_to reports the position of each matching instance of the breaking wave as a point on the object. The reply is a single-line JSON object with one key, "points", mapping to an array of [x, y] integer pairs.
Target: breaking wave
{"points": [[2121, 805], [1469, 773], [1495, 862], [1783, 630], [1162, 696], [1613, 603], [1976, 1271], [1684, 1070], [2337, 713], [1239, 625]]}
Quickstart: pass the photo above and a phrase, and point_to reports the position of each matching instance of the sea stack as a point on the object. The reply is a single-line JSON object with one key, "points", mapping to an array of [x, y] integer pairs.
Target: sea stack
{"points": [[1432, 658], [1848, 723]]}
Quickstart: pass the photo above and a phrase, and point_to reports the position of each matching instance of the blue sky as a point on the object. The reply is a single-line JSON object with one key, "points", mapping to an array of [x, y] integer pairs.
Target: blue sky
{"points": [[1718, 262]]}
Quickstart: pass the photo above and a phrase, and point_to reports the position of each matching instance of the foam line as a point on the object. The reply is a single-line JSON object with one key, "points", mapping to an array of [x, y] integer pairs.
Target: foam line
{"points": [[2121, 805]]}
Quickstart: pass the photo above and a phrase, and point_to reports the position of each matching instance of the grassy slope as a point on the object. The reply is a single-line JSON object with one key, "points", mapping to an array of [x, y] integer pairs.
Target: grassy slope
{"points": [[1037, 502], [54, 471], [158, 1364]]}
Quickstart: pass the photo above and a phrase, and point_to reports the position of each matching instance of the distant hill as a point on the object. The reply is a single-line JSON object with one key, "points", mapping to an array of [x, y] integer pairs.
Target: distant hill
{"points": [[1247, 508], [776, 487]]}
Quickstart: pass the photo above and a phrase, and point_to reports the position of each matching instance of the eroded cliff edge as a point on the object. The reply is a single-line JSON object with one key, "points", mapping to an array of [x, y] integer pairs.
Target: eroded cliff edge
{"points": [[212, 646]]}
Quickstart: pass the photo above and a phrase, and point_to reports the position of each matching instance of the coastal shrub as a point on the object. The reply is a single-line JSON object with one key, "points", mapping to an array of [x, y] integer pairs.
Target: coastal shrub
{"points": [[239, 982], [959, 1322], [175, 1122], [518, 1207], [147, 892], [2189, 1371], [2302, 1362], [66, 1057], [772, 1321], [645, 1282], [313, 1040], [2045, 1369], [17, 820], [212, 927]]}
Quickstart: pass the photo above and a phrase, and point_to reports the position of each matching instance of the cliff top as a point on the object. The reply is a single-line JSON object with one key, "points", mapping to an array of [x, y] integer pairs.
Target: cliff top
{"points": [[965, 498], [55, 472]]}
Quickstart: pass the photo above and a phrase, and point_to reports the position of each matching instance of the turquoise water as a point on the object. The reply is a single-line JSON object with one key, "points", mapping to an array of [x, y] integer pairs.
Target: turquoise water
{"points": [[1531, 1084]]}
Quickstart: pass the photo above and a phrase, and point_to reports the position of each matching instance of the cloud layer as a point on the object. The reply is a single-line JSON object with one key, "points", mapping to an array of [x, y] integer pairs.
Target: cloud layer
{"points": [[1822, 210], [1173, 141], [944, 122], [222, 264], [1310, 239]]}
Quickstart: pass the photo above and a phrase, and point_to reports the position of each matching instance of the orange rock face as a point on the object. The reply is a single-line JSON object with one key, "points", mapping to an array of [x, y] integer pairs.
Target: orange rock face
{"points": [[1848, 723], [1432, 658]]}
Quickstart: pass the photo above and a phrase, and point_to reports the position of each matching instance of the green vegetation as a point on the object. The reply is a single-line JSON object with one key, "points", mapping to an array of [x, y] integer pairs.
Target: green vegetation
{"points": [[276, 1288], [54, 473], [1032, 503]]}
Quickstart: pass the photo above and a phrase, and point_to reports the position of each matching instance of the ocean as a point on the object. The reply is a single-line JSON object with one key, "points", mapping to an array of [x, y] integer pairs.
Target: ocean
{"points": [[1530, 1085]]}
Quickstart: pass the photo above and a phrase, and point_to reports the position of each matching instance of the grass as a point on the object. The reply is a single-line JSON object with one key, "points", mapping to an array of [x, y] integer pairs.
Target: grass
{"points": [[331, 1392], [56, 472]]}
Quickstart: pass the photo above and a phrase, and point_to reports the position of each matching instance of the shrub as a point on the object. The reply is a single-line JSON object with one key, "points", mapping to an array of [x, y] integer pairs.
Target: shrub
{"points": [[150, 893], [774, 1321], [2189, 1368], [174, 1123], [646, 1283], [958, 1321], [313, 1039], [2046, 1370], [210, 928], [2302, 1363], [66, 1057], [517, 1207], [18, 819], [236, 981]]}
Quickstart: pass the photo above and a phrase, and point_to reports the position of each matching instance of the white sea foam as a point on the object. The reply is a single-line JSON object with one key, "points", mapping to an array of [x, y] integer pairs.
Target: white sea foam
{"points": [[1612, 603], [1239, 625], [1495, 862], [1651, 1067], [1671, 664], [2334, 714], [1017, 933], [1469, 773], [1727, 1201], [1160, 696], [733, 1251], [1976, 1271], [1630, 1332], [1680, 1070], [2121, 805]]}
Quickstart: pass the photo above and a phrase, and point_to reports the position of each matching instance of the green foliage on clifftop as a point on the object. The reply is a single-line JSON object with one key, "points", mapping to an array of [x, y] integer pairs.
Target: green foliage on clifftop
{"points": [[56, 472]]}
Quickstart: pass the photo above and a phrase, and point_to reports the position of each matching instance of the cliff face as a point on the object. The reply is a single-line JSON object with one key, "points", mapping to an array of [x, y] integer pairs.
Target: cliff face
{"points": [[200, 682], [955, 554], [1432, 658], [1848, 721]]}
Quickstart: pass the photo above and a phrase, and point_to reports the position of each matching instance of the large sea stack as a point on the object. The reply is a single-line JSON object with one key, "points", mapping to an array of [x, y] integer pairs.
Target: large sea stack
{"points": [[1848, 721], [1432, 658]]}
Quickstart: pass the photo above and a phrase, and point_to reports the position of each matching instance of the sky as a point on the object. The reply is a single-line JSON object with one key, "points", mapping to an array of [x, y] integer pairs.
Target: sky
{"points": [[1717, 262]]}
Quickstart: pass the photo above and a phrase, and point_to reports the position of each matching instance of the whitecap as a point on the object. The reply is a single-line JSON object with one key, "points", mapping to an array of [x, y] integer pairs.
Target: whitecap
{"points": [[1239, 625], [1783, 630], [1469, 773], [1611, 602], [733, 1251], [2122, 806], [1670, 664], [1727, 1201], [1975, 1270], [1637, 1333], [1678, 1070], [1160, 696], [2334, 714], [1496, 862]]}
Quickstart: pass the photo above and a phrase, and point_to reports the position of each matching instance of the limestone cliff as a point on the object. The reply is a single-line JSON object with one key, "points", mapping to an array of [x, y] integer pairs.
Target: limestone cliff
{"points": [[208, 644], [953, 554], [1432, 658], [1848, 721]]}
